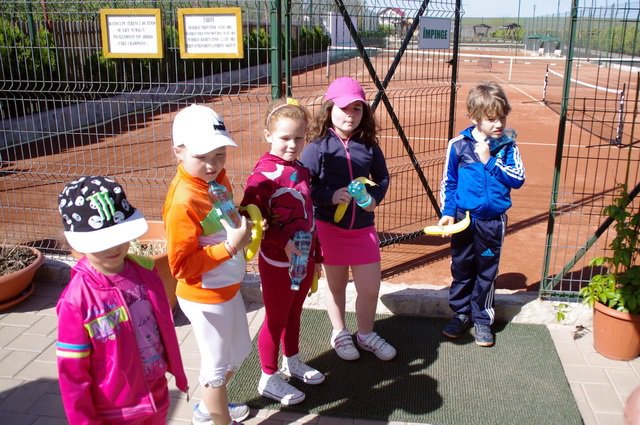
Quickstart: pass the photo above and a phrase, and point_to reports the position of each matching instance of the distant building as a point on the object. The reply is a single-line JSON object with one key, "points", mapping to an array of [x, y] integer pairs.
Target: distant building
{"points": [[392, 16], [543, 44], [481, 30]]}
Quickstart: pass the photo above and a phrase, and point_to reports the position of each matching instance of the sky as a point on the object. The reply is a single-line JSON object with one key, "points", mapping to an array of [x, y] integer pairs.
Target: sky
{"points": [[509, 8]]}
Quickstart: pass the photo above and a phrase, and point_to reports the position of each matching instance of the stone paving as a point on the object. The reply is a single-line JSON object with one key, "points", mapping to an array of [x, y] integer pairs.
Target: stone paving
{"points": [[29, 392]]}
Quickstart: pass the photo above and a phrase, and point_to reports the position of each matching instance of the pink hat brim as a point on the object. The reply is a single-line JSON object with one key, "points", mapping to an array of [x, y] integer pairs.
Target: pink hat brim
{"points": [[343, 102]]}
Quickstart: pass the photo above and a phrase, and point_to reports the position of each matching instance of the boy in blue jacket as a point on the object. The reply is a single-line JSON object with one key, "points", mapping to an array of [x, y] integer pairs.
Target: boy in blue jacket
{"points": [[481, 168]]}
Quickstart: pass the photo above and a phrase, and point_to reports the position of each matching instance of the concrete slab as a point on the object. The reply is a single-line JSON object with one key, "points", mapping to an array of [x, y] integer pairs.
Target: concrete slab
{"points": [[29, 392]]}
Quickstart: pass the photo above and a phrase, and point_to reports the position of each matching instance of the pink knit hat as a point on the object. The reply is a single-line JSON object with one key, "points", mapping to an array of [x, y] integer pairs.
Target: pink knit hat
{"points": [[345, 90]]}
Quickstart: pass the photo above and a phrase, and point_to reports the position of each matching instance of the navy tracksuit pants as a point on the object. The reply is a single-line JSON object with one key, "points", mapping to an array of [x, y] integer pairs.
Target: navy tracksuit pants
{"points": [[475, 255]]}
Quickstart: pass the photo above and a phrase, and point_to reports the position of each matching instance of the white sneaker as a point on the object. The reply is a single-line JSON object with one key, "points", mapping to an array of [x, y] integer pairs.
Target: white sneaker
{"points": [[343, 344], [275, 388], [237, 411], [378, 346], [293, 366]]}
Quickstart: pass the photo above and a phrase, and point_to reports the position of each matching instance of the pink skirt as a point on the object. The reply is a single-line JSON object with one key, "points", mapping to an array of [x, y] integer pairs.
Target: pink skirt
{"points": [[342, 247]]}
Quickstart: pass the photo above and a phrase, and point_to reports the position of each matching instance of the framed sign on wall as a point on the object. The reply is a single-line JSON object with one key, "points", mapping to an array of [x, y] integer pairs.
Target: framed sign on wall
{"points": [[214, 32], [131, 33]]}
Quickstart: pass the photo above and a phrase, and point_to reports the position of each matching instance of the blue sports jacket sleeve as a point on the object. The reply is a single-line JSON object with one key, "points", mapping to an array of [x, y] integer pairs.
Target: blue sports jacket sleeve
{"points": [[449, 183], [379, 174], [507, 167]]}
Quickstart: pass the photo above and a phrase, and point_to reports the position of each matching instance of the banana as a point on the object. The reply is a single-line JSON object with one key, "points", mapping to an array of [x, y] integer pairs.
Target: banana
{"points": [[340, 210], [342, 207], [450, 229], [256, 230], [314, 285], [366, 181]]}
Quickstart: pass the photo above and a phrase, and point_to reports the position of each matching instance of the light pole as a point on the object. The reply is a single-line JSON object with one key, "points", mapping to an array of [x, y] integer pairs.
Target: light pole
{"points": [[558, 21], [517, 30]]}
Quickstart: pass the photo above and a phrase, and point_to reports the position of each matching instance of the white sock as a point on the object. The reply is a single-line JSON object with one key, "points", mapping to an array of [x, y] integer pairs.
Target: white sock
{"points": [[286, 359], [335, 332], [202, 408], [363, 337], [264, 378]]}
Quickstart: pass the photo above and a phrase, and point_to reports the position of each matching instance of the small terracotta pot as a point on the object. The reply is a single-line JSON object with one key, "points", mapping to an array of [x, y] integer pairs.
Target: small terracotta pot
{"points": [[616, 335], [13, 286]]}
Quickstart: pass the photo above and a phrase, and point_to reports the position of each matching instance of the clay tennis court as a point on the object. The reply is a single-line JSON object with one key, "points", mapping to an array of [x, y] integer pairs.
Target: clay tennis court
{"points": [[121, 146], [537, 127]]}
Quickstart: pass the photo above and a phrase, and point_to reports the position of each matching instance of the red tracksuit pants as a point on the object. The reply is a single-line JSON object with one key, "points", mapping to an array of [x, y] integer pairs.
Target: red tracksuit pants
{"points": [[283, 308]]}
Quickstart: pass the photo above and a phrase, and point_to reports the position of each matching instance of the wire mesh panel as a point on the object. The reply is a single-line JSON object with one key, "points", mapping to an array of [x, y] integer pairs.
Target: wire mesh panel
{"points": [[410, 90], [599, 149], [67, 110]]}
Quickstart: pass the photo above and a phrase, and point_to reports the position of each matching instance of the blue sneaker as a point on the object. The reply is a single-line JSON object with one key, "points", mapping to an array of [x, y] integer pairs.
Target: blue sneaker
{"points": [[457, 326], [484, 336]]}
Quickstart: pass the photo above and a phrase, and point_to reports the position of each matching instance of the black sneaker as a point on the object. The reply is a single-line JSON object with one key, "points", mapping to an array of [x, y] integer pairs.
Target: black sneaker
{"points": [[484, 336], [457, 326]]}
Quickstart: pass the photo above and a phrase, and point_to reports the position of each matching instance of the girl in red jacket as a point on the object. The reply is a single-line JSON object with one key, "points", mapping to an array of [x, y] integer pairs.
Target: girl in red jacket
{"points": [[279, 186]]}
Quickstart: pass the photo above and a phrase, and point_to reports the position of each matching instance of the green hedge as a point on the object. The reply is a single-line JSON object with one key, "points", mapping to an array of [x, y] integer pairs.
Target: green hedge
{"points": [[95, 76], [25, 65]]}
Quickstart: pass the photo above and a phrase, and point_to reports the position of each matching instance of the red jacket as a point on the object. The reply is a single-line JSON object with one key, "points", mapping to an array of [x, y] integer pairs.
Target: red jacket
{"points": [[281, 190]]}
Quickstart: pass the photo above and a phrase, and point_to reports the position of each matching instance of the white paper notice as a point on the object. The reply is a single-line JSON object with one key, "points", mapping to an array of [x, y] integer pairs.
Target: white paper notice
{"points": [[211, 34], [132, 34]]}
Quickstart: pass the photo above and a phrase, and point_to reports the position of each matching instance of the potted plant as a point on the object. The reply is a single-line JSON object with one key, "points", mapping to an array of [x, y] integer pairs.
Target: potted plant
{"points": [[615, 292], [18, 265]]}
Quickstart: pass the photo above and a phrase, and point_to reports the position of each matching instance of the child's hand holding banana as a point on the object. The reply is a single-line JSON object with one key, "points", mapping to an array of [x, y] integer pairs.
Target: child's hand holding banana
{"points": [[258, 227], [446, 226], [342, 193]]}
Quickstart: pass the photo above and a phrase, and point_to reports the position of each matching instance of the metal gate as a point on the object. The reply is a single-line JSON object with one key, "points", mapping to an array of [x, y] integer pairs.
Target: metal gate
{"points": [[66, 110], [598, 146]]}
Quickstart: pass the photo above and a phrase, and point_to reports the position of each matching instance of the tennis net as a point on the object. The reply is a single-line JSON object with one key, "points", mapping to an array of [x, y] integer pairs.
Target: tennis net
{"points": [[597, 109]]}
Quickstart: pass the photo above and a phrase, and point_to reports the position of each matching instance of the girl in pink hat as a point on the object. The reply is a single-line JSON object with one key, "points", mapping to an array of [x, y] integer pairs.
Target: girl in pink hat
{"points": [[345, 148]]}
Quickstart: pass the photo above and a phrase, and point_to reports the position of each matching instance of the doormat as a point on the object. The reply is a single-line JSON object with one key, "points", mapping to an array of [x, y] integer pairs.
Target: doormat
{"points": [[432, 380]]}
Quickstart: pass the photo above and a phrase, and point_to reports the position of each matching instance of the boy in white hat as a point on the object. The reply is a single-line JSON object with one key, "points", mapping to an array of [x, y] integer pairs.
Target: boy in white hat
{"points": [[205, 255]]}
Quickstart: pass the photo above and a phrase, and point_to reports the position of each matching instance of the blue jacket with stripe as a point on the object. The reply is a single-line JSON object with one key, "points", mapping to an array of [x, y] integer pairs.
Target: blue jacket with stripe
{"points": [[482, 189]]}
